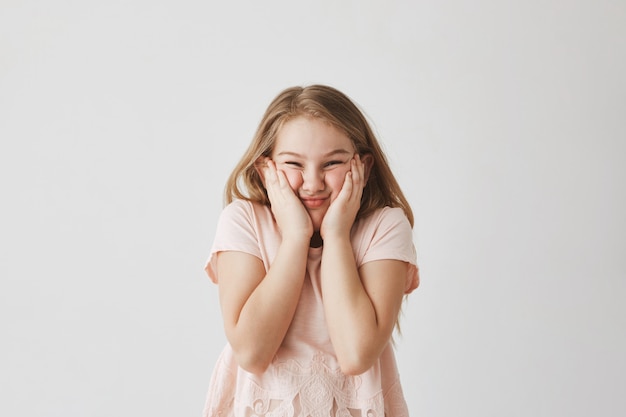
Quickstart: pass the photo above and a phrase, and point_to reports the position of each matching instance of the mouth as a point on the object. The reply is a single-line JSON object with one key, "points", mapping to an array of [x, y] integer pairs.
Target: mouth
{"points": [[313, 203]]}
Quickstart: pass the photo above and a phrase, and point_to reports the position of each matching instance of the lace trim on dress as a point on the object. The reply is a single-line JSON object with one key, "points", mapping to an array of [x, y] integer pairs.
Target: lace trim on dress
{"points": [[298, 391]]}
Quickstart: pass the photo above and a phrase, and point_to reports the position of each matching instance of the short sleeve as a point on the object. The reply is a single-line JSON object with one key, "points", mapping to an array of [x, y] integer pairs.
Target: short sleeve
{"points": [[236, 231], [388, 235]]}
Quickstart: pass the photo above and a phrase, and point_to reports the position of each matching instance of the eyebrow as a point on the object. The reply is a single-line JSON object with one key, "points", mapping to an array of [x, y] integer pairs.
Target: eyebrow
{"points": [[329, 154]]}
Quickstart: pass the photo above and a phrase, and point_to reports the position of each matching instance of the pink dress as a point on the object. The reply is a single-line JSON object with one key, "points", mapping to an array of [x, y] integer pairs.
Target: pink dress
{"points": [[304, 379]]}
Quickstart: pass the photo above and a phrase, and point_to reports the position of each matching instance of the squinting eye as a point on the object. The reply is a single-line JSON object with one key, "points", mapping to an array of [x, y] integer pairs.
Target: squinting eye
{"points": [[331, 163], [293, 164]]}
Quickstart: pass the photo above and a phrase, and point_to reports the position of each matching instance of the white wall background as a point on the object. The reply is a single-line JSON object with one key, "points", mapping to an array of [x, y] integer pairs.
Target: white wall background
{"points": [[505, 122]]}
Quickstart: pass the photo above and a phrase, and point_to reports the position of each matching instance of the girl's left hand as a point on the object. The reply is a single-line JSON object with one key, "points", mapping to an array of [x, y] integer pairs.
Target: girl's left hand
{"points": [[340, 216]]}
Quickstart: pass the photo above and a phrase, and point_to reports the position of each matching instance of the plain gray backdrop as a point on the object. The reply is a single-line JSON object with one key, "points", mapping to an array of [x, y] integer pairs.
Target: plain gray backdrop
{"points": [[503, 120]]}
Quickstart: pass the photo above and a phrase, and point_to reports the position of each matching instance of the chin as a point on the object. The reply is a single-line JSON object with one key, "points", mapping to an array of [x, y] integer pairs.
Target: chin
{"points": [[316, 218]]}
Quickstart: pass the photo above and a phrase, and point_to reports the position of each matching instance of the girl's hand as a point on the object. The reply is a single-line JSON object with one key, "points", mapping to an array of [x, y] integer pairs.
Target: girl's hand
{"points": [[290, 214], [340, 216]]}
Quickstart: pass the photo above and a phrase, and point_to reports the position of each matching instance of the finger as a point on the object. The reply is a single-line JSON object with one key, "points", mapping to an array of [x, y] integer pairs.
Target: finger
{"points": [[346, 189], [356, 181], [282, 180], [282, 188], [271, 169], [359, 170], [271, 180], [262, 161]]}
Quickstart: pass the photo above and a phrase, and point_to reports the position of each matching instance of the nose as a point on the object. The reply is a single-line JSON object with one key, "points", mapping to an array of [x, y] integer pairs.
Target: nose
{"points": [[312, 181]]}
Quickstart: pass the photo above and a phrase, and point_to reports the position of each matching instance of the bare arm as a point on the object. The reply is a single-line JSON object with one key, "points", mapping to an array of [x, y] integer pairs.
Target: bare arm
{"points": [[258, 307], [361, 306]]}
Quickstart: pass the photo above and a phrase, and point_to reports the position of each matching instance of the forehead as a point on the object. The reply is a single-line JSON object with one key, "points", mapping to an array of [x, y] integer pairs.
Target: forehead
{"points": [[308, 136]]}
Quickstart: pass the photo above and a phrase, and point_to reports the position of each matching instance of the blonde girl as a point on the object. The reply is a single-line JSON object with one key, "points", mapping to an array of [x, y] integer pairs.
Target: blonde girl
{"points": [[313, 254]]}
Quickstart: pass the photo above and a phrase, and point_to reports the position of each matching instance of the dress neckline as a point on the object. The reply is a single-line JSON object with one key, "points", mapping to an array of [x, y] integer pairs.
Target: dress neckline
{"points": [[316, 241]]}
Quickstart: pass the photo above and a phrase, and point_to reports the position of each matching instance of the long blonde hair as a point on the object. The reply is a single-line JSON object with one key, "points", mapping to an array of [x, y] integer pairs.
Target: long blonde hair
{"points": [[334, 107]]}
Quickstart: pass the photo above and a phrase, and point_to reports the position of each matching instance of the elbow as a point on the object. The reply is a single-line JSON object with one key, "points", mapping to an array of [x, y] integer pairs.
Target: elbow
{"points": [[252, 361], [256, 368], [356, 364], [359, 358], [250, 356]]}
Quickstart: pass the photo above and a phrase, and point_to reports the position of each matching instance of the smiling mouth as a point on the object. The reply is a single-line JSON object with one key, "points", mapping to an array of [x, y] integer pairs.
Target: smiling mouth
{"points": [[313, 202]]}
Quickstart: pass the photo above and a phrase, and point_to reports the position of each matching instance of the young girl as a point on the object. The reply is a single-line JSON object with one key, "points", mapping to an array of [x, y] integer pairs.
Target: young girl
{"points": [[313, 255]]}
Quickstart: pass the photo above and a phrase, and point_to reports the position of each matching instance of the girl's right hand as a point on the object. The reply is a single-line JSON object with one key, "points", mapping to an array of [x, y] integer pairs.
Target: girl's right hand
{"points": [[290, 214]]}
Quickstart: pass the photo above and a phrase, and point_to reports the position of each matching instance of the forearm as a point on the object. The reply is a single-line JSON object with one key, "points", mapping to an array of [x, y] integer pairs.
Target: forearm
{"points": [[264, 319], [357, 336]]}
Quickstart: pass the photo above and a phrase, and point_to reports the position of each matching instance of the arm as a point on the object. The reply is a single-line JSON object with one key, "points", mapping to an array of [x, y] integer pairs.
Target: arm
{"points": [[258, 307], [361, 306]]}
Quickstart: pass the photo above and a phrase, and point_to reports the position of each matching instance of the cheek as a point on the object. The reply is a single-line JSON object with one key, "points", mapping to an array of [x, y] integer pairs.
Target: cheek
{"points": [[294, 178], [335, 179]]}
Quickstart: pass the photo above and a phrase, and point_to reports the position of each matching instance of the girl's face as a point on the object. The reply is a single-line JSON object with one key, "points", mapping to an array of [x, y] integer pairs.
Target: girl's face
{"points": [[315, 157]]}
